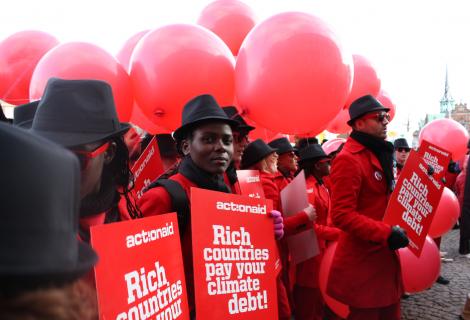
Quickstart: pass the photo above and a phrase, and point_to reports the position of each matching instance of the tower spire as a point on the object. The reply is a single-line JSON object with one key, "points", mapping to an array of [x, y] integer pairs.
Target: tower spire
{"points": [[447, 102]]}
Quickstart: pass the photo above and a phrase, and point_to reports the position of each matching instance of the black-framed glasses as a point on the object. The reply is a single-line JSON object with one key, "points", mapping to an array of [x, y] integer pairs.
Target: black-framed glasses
{"points": [[378, 116], [403, 150]]}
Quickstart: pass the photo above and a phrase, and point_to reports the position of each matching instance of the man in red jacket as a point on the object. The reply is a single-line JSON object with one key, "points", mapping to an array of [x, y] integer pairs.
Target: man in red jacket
{"points": [[365, 273]]}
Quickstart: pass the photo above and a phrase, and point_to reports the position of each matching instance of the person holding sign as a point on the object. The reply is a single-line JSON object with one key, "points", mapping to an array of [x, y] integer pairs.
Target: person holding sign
{"points": [[309, 303], [43, 262], [89, 127], [205, 137], [260, 156], [286, 162], [240, 141], [365, 273]]}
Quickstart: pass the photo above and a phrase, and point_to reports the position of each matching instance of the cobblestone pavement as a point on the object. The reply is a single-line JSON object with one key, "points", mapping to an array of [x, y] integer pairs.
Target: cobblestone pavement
{"points": [[442, 302]]}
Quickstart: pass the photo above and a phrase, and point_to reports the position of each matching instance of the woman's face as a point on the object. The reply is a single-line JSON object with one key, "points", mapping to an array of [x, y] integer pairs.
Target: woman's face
{"points": [[93, 157], [210, 147], [271, 162]]}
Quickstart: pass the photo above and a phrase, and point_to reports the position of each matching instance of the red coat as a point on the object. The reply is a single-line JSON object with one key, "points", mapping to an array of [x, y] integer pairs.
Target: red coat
{"points": [[157, 201], [364, 273], [308, 271], [293, 224]]}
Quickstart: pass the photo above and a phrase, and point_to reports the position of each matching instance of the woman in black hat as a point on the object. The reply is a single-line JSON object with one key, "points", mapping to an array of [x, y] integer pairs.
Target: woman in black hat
{"points": [[309, 303], [260, 156], [42, 261], [81, 116]]}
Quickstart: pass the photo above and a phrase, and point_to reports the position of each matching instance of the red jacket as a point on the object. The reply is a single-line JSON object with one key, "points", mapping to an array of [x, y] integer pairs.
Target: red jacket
{"points": [[307, 274], [364, 273], [157, 201], [293, 224]]}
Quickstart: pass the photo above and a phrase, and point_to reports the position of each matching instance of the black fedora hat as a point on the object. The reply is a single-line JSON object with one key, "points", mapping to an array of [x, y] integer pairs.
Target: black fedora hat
{"points": [[401, 143], [233, 114], [40, 205], [201, 109], [23, 115], [76, 112], [255, 152], [282, 145], [364, 105], [166, 145], [311, 153]]}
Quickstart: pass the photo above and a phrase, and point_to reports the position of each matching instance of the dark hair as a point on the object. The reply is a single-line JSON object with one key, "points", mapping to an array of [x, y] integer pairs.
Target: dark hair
{"points": [[122, 175]]}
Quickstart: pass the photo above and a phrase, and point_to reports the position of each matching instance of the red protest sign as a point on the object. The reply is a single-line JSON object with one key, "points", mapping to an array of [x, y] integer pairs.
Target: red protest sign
{"points": [[147, 168], [234, 259], [250, 183], [435, 157], [140, 272], [413, 202]]}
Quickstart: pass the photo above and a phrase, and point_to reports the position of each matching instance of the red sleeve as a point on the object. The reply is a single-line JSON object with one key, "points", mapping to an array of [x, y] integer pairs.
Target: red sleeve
{"points": [[292, 224], [326, 232], [346, 181], [155, 201]]}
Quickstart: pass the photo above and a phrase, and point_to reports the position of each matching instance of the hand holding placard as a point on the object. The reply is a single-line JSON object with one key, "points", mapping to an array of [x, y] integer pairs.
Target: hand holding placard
{"points": [[397, 238]]}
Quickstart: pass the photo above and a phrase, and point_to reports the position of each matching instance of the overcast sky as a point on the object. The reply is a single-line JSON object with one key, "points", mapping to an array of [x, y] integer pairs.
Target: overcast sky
{"points": [[409, 41]]}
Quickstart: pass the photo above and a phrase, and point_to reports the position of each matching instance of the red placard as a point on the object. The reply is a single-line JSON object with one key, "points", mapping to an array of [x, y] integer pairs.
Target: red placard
{"points": [[147, 168], [234, 260], [436, 157], [413, 202], [250, 183], [140, 272]]}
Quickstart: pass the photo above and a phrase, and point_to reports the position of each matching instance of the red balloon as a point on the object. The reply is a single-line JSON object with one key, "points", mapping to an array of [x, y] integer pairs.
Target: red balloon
{"points": [[339, 123], [337, 307], [332, 145], [19, 55], [124, 55], [80, 60], [365, 80], [420, 273], [172, 64], [447, 134], [231, 20], [140, 119], [384, 99], [292, 74], [446, 215]]}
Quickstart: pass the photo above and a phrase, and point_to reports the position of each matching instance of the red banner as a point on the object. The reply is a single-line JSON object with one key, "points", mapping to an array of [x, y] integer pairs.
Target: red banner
{"points": [[413, 202], [147, 168], [250, 183], [234, 259], [140, 272]]}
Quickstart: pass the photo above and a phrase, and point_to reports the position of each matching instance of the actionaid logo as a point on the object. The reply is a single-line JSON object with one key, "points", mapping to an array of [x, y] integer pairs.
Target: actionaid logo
{"points": [[149, 236], [252, 179], [230, 206]]}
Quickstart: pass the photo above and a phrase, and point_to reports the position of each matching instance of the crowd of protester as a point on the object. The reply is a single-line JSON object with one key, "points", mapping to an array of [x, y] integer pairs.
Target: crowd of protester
{"points": [[84, 153]]}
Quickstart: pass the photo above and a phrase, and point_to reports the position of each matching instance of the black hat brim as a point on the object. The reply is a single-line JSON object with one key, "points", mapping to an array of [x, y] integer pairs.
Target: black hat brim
{"points": [[179, 133], [311, 159], [34, 276], [71, 139], [351, 121], [258, 159]]}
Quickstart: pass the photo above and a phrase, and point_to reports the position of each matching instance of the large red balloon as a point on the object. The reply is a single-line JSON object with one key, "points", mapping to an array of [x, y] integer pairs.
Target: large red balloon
{"points": [[292, 74], [339, 308], [231, 20], [124, 55], [446, 215], [140, 119], [384, 99], [447, 134], [420, 273], [172, 64], [19, 55], [365, 80], [80, 60], [339, 123]]}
